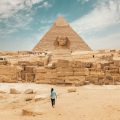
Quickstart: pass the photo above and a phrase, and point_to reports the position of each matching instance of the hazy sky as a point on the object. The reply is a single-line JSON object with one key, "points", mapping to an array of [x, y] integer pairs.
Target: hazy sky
{"points": [[24, 22]]}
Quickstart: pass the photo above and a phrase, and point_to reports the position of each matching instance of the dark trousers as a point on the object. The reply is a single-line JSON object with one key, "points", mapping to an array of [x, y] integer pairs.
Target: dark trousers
{"points": [[53, 102]]}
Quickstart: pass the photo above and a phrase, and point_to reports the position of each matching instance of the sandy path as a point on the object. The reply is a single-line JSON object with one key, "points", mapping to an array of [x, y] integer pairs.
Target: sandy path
{"points": [[88, 103]]}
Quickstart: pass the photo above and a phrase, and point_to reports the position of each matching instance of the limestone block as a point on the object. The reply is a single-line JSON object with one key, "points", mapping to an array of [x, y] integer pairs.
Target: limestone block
{"points": [[114, 70], [40, 63], [100, 81], [104, 64], [80, 82], [53, 80], [63, 63], [29, 69], [68, 69], [4, 78], [76, 64], [115, 74], [72, 90], [92, 78], [106, 82], [75, 79], [40, 70], [93, 71], [29, 98], [31, 112], [40, 76], [98, 66], [109, 80], [63, 74], [14, 91], [29, 91], [22, 63], [68, 81], [106, 68], [79, 64], [109, 77], [40, 97], [43, 81], [4, 70], [78, 69], [87, 65], [37, 63], [101, 77], [94, 65], [117, 63], [60, 80], [69, 73], [2, 92], [116, 78], [51, 73], [81, 71]]}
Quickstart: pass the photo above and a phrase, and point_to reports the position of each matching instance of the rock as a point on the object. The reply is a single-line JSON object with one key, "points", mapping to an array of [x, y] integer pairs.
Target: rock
{"points": [[2, 91], [40, 97], [27, 112], [28, 98], [71, 90], [30, 112], [29, 91], [14, 91]]}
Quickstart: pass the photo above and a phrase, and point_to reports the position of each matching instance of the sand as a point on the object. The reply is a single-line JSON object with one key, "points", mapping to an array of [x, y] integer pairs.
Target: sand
{"points": [[89, 102]]}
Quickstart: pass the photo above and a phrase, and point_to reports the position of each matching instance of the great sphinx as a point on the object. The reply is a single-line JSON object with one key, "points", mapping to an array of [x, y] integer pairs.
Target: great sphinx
{"points": [[62, 42]]}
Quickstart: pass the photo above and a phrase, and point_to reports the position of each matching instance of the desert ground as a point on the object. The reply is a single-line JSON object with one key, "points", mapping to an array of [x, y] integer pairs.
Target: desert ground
{"points": [[90, 102]]}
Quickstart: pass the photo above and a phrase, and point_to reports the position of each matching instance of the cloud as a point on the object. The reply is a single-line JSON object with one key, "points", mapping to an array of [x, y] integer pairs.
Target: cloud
{"points": [[109, 42], [45, 5], [103, 15], [100, 27], [9, 7], [83, 1], [16, 23], [13, 19]]}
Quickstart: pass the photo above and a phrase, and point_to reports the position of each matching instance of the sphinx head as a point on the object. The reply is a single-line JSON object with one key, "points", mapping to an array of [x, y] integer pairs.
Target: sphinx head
{"points": [[62, 42]]}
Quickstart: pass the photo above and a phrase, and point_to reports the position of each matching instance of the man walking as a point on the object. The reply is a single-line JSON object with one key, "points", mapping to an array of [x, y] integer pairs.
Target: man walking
{"points": [[53, 97]]}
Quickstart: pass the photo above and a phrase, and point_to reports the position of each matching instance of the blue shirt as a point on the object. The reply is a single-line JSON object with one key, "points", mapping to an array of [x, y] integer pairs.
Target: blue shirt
{"points": [[53, 95]]}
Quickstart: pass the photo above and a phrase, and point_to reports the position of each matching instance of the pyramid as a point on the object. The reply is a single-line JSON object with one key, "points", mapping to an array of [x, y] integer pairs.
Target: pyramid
{"points": [[61, 29]]}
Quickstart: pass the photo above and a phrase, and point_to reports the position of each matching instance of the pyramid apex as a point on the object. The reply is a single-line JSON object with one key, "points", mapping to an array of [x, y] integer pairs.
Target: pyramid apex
{"points": [[61, 21]]}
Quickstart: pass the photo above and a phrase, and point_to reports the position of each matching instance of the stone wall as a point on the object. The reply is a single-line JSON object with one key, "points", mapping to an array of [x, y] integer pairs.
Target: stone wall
{"points": [[9, 73], [80, 73], [64, 69]]}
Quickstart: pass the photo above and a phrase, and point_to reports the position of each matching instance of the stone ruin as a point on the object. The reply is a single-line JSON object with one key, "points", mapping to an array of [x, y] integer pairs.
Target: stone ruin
{"points": [[61, 57]]}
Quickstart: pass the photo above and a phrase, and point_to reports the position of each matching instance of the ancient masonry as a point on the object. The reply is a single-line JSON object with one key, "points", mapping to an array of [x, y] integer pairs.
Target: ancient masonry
{"points": [[61, 57]]}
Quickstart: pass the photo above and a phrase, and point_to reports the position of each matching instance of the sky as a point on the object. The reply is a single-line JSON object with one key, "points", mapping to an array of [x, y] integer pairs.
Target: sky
{"points": [[24, 22]]}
